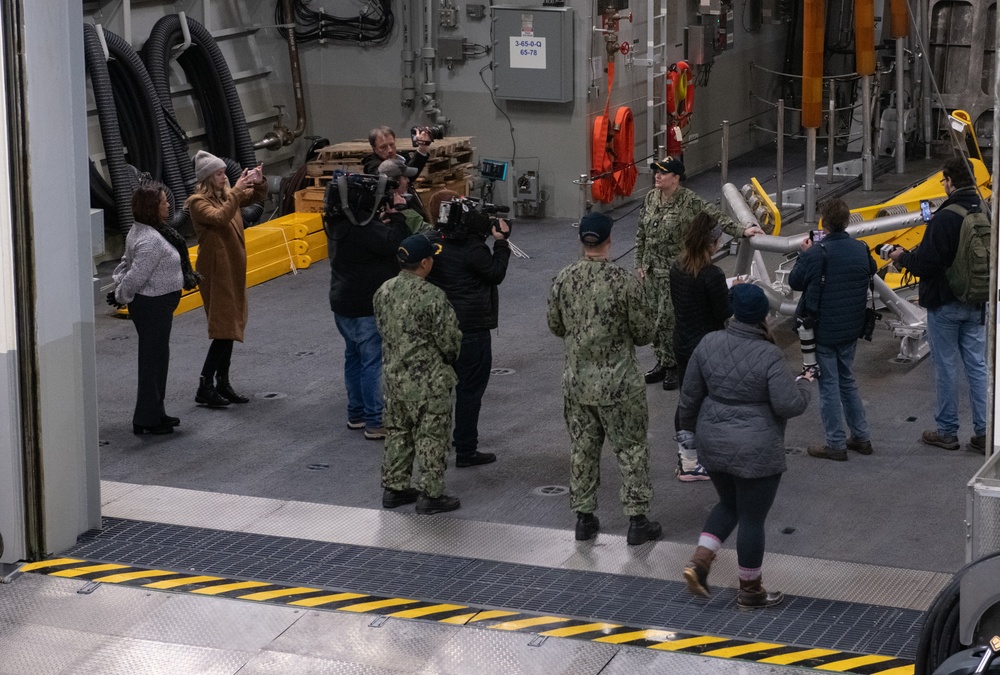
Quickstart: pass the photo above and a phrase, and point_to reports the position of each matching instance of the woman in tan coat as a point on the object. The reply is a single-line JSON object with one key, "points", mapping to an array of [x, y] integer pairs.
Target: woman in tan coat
{"points": [[222, 263]]}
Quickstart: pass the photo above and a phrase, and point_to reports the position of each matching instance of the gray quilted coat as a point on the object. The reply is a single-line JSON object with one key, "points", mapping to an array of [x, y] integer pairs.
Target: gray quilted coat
{"points": [[738, 393]]}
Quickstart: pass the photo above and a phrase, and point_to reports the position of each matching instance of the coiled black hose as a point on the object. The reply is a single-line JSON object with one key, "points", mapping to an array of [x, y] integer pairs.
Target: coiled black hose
{"points": [[939, 634], [97, 68], [212, 86], [143, 123]]}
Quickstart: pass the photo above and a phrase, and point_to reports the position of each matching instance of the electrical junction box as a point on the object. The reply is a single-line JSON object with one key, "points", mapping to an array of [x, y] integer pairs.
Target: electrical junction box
{"points": [[700, 48], [533, 55], [451, 49]]}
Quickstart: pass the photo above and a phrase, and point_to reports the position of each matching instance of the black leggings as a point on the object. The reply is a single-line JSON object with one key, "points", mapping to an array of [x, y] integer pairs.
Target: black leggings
{"points": [[217, 360], [744, 502]]}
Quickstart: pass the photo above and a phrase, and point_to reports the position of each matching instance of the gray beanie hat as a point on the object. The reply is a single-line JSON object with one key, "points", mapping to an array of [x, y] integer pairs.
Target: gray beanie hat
{"points": [[205, 164]]}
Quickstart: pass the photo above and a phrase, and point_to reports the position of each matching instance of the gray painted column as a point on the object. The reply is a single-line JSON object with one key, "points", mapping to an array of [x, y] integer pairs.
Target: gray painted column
{"points": [[58, 209]]}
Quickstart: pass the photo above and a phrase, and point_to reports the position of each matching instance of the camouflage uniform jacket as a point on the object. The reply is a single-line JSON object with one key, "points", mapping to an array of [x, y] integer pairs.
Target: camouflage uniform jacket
{"points": [[601, 312], [663, 224], [420, 338]]}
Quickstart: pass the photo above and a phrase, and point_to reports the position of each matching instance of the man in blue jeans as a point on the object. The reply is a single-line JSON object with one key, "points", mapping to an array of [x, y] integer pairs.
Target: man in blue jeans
{"points": [[834, 274], [362, 258], [957, 330]]}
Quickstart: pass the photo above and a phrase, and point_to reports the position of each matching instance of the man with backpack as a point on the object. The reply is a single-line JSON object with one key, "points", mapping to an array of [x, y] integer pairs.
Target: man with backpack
{"points": [[952, 263]]}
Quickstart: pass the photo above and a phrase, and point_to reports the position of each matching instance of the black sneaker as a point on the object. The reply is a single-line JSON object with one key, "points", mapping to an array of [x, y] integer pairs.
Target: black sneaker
{"points": [[978, 444], [474, 459], [587, 526], [429, 505], [641, 530], [394, 498], [670, 381], [656, 374]]}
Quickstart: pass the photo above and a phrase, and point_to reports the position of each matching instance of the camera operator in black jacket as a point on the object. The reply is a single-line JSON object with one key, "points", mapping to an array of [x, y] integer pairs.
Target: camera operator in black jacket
{"points": [[469, 273]]}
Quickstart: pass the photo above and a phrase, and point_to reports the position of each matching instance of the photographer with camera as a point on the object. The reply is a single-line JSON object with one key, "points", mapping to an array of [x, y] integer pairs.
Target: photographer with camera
{"points": [[834, 274], [383, 142], [469, 273], [956, 328], [363, 237]]}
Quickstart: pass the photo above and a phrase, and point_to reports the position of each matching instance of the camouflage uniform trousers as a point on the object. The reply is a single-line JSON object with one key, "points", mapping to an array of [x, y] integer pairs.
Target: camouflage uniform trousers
{"points": [[421, 429], [624, 424], [662, 307]]}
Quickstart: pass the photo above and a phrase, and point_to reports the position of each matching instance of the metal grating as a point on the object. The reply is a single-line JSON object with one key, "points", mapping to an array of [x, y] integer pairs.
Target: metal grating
{"points": [[628, 600]]}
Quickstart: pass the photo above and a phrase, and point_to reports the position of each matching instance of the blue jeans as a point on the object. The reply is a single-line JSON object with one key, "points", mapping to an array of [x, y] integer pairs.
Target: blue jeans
{"points": [[955, 330], [362, 369], [838, 396]]}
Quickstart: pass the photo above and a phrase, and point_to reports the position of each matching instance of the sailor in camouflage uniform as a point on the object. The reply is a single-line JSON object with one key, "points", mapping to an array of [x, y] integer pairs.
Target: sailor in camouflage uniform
{"points": [[600, 311], [663, 222], [420, 341]]}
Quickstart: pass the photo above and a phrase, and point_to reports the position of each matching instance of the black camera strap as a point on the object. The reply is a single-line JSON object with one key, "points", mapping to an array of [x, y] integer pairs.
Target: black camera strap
{"points": [[822, 281], [379, 194]]}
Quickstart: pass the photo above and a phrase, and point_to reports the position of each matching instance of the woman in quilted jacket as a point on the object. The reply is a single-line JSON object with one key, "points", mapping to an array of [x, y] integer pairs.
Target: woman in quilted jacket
{"points": [[737, 397]]}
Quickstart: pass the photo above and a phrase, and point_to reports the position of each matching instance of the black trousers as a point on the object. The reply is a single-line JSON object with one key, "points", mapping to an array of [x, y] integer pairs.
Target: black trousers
{"points": [[743, 502], [152, 317], [473, 370]]}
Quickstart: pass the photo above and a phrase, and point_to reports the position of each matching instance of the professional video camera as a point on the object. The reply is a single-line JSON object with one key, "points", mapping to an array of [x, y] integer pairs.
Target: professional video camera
{"points": [[467, 216], [436, 133], [356, 196]]}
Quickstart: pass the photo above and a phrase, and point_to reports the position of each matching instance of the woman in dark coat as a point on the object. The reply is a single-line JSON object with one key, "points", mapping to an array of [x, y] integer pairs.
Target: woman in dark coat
{"points": [[700, 296], [222, 262], [738, 394], [149, 280]]}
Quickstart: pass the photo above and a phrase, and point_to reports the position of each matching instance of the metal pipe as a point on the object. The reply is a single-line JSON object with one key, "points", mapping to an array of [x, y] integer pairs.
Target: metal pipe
{"points": [[831, 131], [928, 84], [281, 135], [907, 312], [725, 151], [900, 139], [408, 91], [792, 243], [779, 172], [810, 206], [778, 302], [867, 168]]}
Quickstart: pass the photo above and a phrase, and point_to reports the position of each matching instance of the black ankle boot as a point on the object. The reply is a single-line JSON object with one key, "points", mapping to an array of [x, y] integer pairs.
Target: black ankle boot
{"points": [[208, 396], [587, 526], [226, 390], [641, 529]]}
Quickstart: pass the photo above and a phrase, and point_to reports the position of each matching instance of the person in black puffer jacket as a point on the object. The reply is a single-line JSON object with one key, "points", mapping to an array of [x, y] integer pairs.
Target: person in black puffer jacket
{"points": [[469, 273], [701, 305], [738, 395]]}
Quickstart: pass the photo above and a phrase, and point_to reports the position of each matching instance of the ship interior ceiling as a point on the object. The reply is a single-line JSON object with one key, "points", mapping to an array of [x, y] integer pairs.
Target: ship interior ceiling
{"points": [[260, 527]]}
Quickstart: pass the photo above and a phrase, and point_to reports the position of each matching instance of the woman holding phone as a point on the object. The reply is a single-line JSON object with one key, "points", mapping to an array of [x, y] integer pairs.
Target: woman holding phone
{"points": [[222, 262]]}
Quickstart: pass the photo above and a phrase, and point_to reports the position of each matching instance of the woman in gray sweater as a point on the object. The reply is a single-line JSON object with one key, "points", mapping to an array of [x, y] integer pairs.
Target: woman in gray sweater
{"points": [[149, 280], [738, 394]]}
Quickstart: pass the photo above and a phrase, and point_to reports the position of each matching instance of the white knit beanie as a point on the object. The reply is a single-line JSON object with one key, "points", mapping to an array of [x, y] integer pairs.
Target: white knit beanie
{"points": [[205, 164]]}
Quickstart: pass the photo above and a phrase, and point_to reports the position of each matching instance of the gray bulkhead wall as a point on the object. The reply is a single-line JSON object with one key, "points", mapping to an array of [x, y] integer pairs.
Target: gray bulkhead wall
{"points": [[56, 168], [350, 89]]}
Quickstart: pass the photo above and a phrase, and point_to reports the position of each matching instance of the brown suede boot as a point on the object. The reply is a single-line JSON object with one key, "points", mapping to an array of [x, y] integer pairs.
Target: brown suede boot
{"points": [[753, 596], [696, 574]]}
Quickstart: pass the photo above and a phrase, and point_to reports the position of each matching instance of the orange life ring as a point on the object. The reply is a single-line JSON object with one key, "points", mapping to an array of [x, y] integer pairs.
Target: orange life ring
{"points": [[680, 92], [623, 146]]}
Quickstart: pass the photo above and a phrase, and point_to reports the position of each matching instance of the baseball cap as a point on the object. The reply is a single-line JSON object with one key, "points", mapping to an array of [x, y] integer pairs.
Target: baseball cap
{"points": [[415, 248], [595, 228], [670, 165]]}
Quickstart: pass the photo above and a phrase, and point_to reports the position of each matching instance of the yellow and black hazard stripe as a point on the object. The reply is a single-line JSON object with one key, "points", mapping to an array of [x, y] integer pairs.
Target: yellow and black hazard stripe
{"points": [[830, 660]]}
